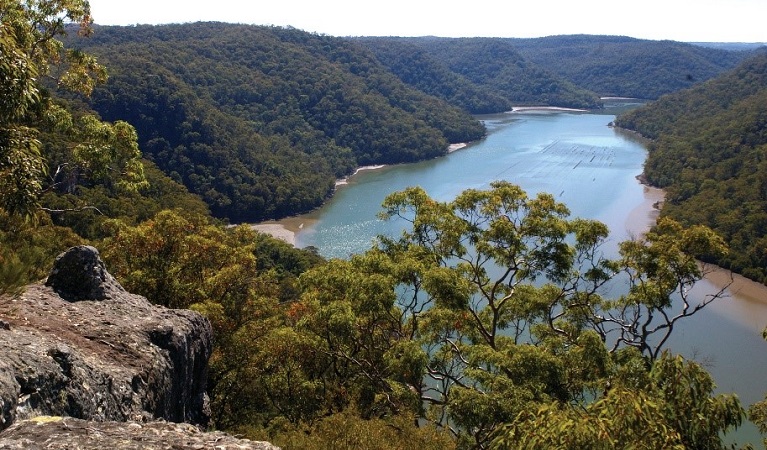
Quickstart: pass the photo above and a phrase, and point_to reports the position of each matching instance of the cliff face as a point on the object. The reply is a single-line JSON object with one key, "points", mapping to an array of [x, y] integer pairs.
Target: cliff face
{"points": [[82, 346]]}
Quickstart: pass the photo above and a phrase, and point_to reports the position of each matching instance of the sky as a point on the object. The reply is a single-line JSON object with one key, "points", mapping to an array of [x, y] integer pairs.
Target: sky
{"points": [[678, 20]]}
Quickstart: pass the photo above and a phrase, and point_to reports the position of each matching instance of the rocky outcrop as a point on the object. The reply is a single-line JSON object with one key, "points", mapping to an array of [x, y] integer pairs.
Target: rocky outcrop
{"points": [[68, 433], [79, 274], [81, 346]]}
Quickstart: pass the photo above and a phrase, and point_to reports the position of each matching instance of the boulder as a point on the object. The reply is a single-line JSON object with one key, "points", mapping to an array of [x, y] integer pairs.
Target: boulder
{"points": [[80, 274]]}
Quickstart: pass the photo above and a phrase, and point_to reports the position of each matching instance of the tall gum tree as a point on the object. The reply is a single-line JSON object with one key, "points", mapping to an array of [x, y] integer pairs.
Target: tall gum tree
{"points": [[43, 146], [488, 316], [29, 54]]}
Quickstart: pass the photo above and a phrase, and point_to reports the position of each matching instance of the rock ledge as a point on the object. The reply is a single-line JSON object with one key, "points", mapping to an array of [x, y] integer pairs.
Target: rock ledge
{"points": [[68, 433], [81, 347]]}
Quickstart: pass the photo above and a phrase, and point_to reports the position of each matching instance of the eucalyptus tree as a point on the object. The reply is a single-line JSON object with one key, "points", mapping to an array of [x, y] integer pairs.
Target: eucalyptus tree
{"points": [[489, 316], [31, 55], [43, 145]]}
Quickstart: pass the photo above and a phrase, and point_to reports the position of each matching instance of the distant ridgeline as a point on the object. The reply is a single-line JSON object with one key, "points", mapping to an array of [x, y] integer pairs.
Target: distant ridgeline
{"points": [[260, 121], [709, 152], [570, 71]]}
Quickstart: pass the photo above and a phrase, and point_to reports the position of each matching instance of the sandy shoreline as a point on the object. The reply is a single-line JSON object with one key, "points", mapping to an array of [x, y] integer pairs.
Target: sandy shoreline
{"points": [[276, 230], [750, 306], [454, 147], [284, 229], [618, 98], [544, 108], [644, 216], [344, 181]]}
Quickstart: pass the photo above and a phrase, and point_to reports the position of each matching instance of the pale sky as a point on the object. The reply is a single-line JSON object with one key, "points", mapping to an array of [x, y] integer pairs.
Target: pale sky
{"points": [[679, 20]]}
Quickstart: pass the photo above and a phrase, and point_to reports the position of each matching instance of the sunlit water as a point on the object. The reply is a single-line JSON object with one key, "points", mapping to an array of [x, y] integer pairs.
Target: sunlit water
{"points": [[592, 168]]}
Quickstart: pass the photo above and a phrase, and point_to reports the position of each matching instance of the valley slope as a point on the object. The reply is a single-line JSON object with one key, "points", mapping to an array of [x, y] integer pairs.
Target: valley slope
{"points": [[709, 152]]}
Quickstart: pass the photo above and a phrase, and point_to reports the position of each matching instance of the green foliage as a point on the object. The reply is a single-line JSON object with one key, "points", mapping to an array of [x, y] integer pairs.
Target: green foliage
{"points": [[708, 153], [416, 67], [178, 261], [348, 431], [485, 75], [260, 121], [29, 51], [623, 419], [28, 248], [87, 209], [757, 413], [482, 75], [673, 406], [627, 67]]}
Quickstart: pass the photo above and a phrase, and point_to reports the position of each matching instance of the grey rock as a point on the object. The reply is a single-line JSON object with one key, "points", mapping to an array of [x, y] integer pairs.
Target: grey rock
{"points": [[97, 352], [86, 365], [79, 274], [68, 433]]}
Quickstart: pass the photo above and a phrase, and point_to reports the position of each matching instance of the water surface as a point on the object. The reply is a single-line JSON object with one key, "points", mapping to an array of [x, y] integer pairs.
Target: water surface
{"points": [[592, 168], [575, 156]]}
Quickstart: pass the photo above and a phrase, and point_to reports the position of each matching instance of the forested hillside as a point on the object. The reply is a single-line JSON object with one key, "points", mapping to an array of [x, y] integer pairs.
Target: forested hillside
{"points": [[558, 70], [492, 65], [479, 75], [260, 121], [708, 152], [627, 67]]}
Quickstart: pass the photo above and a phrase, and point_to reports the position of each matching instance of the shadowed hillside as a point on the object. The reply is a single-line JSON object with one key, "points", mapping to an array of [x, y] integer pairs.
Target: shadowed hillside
{"points": [[260, 121], [709, 154]]}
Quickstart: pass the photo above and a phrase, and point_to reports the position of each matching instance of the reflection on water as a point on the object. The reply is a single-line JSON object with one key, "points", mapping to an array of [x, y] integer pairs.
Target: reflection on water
{"points": [[574, 156], [590, 167]]}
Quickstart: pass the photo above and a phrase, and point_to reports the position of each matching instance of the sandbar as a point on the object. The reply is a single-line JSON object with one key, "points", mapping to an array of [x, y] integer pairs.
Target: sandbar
{"points": [[454, 147], [544, 108], [344, 181], [644, 216], [284, 229]]}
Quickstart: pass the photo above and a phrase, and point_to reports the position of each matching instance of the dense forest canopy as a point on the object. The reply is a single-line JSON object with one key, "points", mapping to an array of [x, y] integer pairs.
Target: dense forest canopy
{"points": [[260, 121], [480, 75], [708, 152], [570, 71], [628, 67]]}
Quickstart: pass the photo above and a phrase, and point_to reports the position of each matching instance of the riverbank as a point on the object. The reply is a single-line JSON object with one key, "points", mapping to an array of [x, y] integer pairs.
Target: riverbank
{"points": [[345, 180], [287, 228], [749, 307], [644, 216], [455, 147], [284, 229], [545, 108]]}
